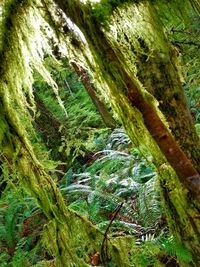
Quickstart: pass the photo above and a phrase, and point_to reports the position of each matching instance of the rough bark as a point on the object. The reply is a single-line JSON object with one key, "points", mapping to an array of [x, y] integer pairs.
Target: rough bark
{"points": [[163, 81], [101, 107]]}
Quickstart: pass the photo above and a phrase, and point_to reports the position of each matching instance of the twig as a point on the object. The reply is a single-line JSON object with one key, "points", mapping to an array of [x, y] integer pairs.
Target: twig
{"points": [[104, 250]]}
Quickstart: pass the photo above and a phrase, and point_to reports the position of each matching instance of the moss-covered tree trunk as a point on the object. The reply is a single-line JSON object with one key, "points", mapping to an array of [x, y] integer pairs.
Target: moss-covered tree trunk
{"points": [[68, 237], [165, 79], [162, 80], [157, 67], [111, 57]]}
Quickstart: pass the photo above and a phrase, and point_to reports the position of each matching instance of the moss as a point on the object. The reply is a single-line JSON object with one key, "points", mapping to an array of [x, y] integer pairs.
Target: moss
{"points": [[174, 12], [27, 41], [3, 128], [63, 229], [112, 65], [125, 248], [103, 10]]}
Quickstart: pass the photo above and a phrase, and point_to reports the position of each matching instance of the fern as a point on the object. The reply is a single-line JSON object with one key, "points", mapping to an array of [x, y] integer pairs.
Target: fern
{"points": [[118, 139], [172, 247], [15, 208], [83, 120], [123, 227], [111, 179], [149, 203]]}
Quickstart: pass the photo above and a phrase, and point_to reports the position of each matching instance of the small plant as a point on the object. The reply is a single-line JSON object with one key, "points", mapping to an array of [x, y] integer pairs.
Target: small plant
{"points": [[17, 248]]}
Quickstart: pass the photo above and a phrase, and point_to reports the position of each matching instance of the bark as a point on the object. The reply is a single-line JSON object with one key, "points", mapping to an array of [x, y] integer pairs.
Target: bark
{"points": [[101, 107], [130, 102], [161, 78]]}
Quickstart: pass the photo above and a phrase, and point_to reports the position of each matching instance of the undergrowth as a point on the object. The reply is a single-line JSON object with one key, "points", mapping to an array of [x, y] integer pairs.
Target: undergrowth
{"points": [[106, 180]]}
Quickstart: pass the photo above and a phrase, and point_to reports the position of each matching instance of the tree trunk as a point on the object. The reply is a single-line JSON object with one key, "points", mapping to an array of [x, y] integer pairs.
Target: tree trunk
{"points": [[101, 107], [162, 80], [69, 237], [133, 105]]}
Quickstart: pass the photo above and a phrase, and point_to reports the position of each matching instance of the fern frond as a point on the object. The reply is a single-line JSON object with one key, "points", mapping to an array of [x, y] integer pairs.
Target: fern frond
{"points": [[174, 248], [121, 226], [149, 203], [118, 139]]}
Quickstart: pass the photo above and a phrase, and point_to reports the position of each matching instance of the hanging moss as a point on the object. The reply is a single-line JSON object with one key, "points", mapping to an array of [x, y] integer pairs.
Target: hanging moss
{"points": [[110, 68], [110, 59], [68, 237]]}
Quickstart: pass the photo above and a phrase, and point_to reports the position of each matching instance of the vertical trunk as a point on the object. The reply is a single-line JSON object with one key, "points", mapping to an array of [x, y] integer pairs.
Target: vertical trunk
{"points": [[101, 107], [134, 105]]}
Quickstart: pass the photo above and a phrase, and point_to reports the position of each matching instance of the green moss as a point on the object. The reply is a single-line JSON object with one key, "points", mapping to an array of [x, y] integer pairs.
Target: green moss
{"points": [[103, 10], [3, 128], [109, 75], [197, 126], [62, 235], [125, 248]]}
